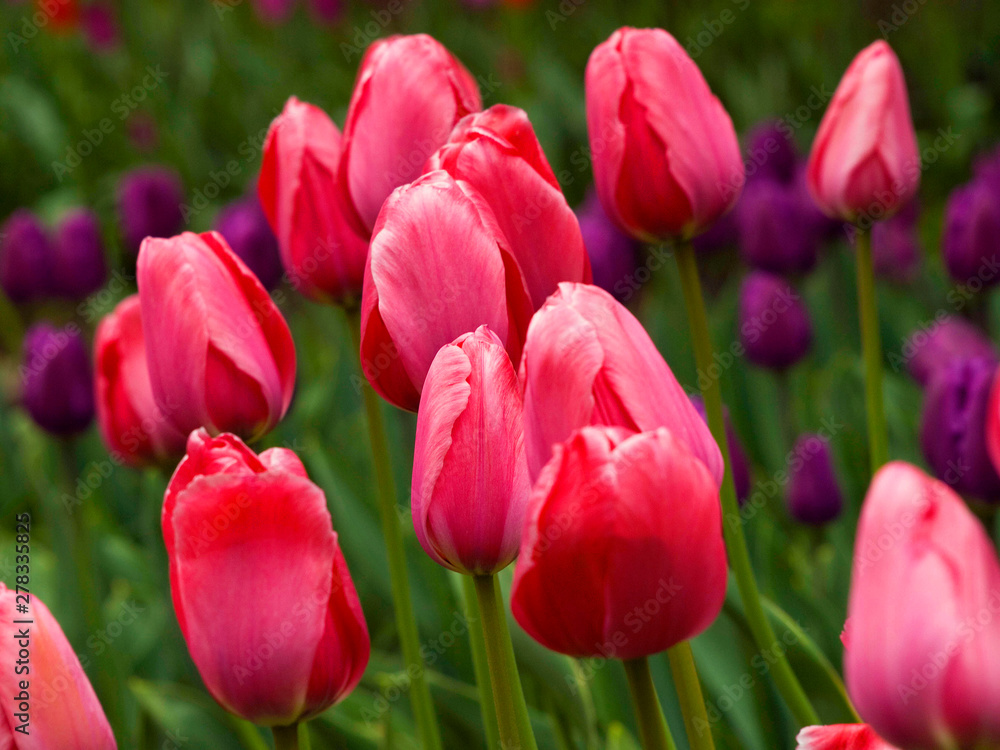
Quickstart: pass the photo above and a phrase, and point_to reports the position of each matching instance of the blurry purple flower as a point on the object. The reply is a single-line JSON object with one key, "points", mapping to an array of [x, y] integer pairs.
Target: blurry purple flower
{"points": [[737, 456], [149, 205], [771, 153], [971, 229], [813, 495], [273, 11], [723, 233], [248, 233], [777, 227], [79, 267], [25, 257], [58, 387], [931, 349], [896, 250], [774, 324], [100, 26], [613, 254], [327, 11]]}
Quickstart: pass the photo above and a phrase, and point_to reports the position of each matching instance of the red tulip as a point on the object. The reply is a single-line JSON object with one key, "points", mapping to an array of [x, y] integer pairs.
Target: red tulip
{"points": [[622, 553], [993, 422], [864, 163], [923, 634], [439, 267], [470, 479], [496, 152], [299, 190], [841, 737], [220, 354], [260, 588], [587, 360], [132, 425], [409, 94], [55, 707], [666, 159]]}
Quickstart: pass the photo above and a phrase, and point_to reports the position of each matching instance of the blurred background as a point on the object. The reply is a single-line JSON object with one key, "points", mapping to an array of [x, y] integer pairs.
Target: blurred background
{"points": [[184, 92]]}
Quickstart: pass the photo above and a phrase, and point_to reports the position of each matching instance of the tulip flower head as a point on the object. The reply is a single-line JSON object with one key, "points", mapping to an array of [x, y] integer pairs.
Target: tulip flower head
{"points": [[150, 201], [78, 266], [971, 225], [56, 378], [26, 257], [813, 495], [775, 329], [840, 737], [929, 350]]}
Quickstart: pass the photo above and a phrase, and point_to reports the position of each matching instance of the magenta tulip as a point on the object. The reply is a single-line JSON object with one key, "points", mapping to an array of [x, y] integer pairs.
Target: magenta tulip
{"points": [[841, 737], [260, 588]]}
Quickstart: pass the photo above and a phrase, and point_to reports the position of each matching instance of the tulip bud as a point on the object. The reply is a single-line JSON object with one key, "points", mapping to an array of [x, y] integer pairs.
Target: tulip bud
{"points": [[439, 266], [953, 429], [771, 153], [588, 361], [78, 267], [470, 479], [220, 354], [55, 706], [260, 587], [971, 226], [864, 163], [409, 94], [149, 205], [132, 425], [323, 255], [813, 496], [840, 737], [737, 456], [58, 388], [244, 226], [777, 227], [923, 635], [613, 254], [666, 159], [622, 553], [774, 324], [496, 152], [928, 351], [25, 257]]}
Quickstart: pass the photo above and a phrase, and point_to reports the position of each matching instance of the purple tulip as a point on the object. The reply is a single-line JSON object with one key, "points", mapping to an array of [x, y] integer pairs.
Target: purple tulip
{"points": [[771, 153], [778, 227], [57, 383], [971, 228], [612, 253], [723, 233], [25, 257], [737, 456], [79, 267], [774, 324], [953, 430], [813, 495], [896, 250], [100, 26], [929, 350], [248, 233], [149, 205]]}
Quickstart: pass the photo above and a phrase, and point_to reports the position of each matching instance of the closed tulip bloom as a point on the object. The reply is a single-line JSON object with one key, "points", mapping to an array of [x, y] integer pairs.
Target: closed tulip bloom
{"points": [[496, 152], [299, 190], [244, 226], [775, 329], [771, 153], [777, 227], [439, 266], [25, 257], [62, 712], [971, 226], [840, 737], [78, 266], [923, 637], [132, 425], [928, 351], [813, 495], [470, 478], [220, 354], [57, 384], [149, 205], [737, 456], [954, 424], [409, 95], [588, 361], [864, 162], [613, 254], [666, 159], [259, 584], [619, 523]]}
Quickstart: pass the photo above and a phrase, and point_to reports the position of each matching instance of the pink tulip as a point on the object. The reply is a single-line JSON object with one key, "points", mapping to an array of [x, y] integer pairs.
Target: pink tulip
{"points": [[62, 710], [841, 737], [923, 632], [409, 94], [220, 354], [622, 553], [260, 588], [864, 163], [993, 422], [666, 159], [299, 190], [587, 360], [470, 479], [496, 152], [132, 425], [439, 267]]}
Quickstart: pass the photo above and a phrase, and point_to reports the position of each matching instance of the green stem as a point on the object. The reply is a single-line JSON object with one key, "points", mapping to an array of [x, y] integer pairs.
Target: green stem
{"points": [[480, 663], [692, 701], [871, 344], [512, 711], [286, 738], [732, 526], [653, 730], [406, 622]]}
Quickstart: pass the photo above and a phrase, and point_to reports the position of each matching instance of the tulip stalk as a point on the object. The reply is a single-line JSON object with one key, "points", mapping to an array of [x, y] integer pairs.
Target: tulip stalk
{"points": [[654, 734], [692, 701], [732, 526], [512, 711], [287, 738], [480, 663], [871, 343]]}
